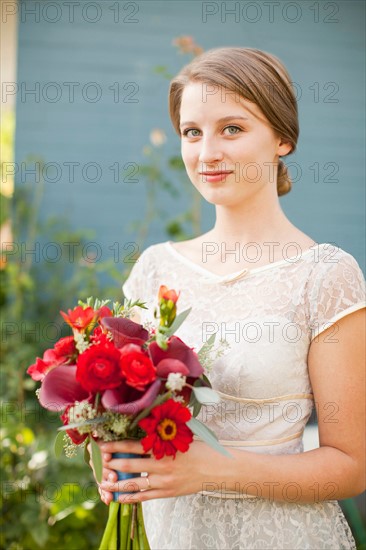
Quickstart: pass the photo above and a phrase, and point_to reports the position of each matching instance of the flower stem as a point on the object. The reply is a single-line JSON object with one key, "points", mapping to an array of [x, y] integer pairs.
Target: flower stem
{"points": [[110, 533], [144, 543]]}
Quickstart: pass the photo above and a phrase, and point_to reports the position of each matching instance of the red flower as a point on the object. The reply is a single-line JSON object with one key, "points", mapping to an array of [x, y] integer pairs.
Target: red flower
{"points": [[41, 367], [74, 435], [136, 366], [165, 294], [104, 311], [64, 352], [98, 368], [166, 429], [65, 348], [99, 337], [79, 318]]}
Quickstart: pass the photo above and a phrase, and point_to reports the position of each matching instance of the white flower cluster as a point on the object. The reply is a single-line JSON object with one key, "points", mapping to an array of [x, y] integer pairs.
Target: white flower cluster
{"points": [[175, 381], [80, 342], [70, 447], [82, 411], [113, 427]]}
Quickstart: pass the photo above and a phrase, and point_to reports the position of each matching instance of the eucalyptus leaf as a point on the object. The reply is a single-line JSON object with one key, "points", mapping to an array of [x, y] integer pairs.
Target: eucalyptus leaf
{"points": [[178, 321], [196, 408], [97, 460], [90, 422], [196, 405], [59, 444], [145, 412], [206, 380], [206, 396], [204, 433], [86, 452]]}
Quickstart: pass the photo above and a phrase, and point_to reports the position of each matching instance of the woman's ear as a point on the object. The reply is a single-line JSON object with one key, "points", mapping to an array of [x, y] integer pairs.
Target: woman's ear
{"points": [[284, 148]]}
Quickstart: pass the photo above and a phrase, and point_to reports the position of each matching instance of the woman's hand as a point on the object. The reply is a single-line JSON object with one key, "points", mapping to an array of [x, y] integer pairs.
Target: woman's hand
{"points": [[167, 477], [108, 474]]}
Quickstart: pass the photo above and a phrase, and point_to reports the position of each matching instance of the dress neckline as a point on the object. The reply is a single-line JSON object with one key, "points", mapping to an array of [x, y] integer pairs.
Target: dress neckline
{"points": [[237, 274]]}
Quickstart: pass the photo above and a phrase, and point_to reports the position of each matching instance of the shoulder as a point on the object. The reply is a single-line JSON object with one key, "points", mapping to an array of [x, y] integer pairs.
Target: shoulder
{"points": [[332, 261], [151, 252]]}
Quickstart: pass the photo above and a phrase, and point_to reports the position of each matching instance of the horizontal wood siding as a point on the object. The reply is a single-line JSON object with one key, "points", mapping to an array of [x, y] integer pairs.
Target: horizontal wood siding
{"points": [[107, 132]]}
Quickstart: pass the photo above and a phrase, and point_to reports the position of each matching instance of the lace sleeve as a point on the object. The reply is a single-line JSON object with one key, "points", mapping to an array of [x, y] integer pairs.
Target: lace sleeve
{"points": [[135, 286], [338, 290]]}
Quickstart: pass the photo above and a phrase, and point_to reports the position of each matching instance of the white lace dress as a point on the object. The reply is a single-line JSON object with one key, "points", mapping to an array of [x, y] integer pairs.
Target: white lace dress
{"points": [[269, 316]]}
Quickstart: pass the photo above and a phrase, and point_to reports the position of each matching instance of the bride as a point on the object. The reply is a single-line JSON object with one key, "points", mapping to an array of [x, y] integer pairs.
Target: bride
{"points": [[292, 312]]}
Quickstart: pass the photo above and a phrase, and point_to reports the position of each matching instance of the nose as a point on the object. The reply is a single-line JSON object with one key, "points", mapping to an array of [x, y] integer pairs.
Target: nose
{"points": [[210, 152]]}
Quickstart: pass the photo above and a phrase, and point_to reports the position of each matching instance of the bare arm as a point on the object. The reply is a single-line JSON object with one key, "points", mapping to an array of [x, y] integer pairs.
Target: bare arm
{"points": [[334, 471]]}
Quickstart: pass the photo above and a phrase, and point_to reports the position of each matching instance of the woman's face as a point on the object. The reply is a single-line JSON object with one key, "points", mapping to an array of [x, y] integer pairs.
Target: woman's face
{"points": [[228, 147]]}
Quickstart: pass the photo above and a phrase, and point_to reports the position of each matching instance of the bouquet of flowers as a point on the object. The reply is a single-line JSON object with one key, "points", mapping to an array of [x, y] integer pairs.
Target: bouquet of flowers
{"points": [[115, 379]]}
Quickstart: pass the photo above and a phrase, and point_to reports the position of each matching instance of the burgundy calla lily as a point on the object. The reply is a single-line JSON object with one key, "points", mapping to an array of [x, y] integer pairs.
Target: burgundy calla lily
{"points": [[177, 349], [115, 400], [60, 388], [124, 331], [166, 366]]}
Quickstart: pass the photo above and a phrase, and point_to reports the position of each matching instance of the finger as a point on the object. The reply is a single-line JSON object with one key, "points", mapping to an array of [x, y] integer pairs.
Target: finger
{"points": [[132, 485], [106, 496], [143, 496], [109, 475], [124, 446], [134, 465]]}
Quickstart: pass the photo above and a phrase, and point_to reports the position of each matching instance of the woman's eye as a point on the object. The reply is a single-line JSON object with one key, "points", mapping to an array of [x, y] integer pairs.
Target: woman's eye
{"points": [[232, 130], [191, 132]]}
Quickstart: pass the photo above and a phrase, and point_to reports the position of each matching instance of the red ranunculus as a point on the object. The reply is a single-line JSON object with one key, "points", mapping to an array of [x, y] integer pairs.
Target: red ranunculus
{"points": [[65, 348], [98, 368], [166, 429], [99, 337], [79, 318], [136, 366]]}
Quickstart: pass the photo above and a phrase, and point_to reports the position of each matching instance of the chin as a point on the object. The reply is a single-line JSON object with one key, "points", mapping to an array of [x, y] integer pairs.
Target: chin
{"points": [[220, 201]]}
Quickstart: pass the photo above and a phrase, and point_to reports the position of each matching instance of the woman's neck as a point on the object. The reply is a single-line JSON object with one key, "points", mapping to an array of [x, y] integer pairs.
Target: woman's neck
{"points": [[251, 223]]}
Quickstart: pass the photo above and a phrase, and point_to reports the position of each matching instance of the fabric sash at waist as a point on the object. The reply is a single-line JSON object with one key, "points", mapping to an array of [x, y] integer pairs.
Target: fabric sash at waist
{"points": [[261, 442]]}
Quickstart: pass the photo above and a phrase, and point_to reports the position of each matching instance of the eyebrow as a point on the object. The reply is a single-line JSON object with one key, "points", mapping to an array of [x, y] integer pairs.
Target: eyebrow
{"points": [[224, 119]]}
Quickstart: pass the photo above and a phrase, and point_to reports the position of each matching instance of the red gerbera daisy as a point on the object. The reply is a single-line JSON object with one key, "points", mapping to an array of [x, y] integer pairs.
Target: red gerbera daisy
{"points": [[166, 429]]}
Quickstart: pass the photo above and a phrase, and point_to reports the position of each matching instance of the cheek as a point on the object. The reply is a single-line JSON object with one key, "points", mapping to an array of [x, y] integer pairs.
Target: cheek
{"points": [[189, 156]]}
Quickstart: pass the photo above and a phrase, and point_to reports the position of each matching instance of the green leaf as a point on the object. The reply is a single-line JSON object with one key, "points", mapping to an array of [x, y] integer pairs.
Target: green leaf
{"points": [[86, 452], [145, 412], [97, 460], [193, 402], [178, 321], [206, 380], [59, 444], [206, 396], [196, 407], [98, 420], [204, 433]]}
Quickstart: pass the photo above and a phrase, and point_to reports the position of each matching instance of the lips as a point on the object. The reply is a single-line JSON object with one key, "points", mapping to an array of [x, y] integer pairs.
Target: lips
{"points": [[215, 177], [211, 173]]}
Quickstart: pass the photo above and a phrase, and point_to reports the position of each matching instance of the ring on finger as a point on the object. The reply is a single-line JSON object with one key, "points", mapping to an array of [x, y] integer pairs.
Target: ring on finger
{"points": [[148, 483]]}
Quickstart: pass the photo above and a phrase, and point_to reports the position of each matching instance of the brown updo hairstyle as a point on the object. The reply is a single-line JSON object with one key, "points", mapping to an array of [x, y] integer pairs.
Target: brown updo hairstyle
{"points": [[256, 76]]}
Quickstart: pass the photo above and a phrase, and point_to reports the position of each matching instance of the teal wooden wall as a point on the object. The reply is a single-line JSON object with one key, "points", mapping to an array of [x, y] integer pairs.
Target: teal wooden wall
{"points": [[321, 43]]}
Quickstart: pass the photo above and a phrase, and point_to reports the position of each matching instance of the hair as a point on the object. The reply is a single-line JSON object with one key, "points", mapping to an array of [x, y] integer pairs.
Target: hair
{"points": [[258, 77]]}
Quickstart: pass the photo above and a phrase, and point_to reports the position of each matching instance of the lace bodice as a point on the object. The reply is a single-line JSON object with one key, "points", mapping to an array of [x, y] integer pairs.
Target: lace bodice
{"points": [[268, 316]]}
